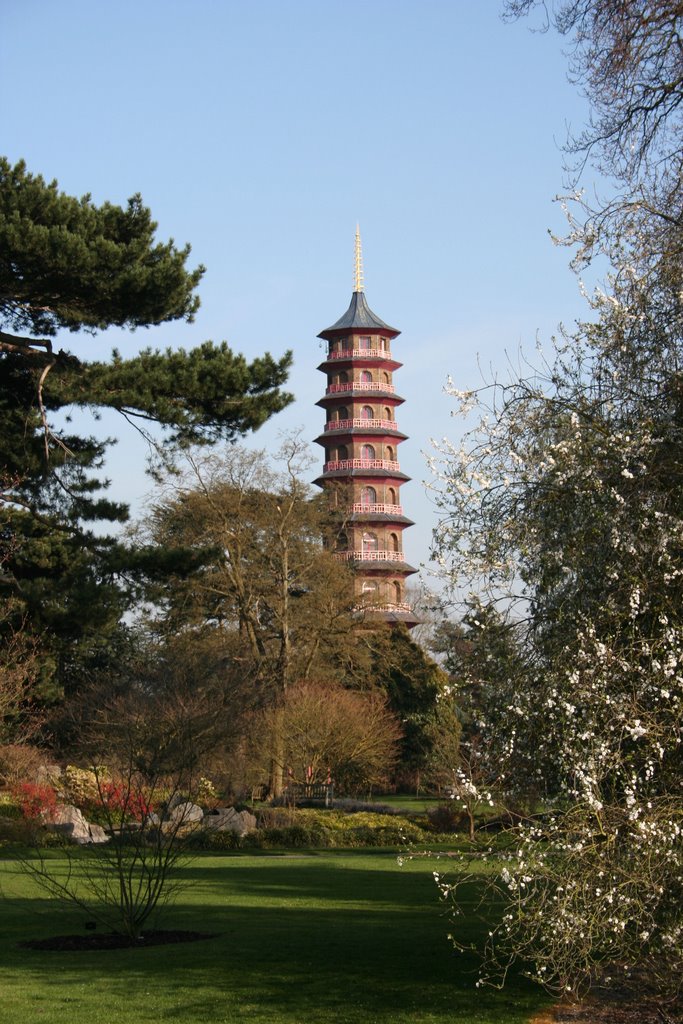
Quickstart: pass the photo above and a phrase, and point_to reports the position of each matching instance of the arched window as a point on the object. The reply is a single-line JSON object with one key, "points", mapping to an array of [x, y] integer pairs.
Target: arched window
{"points": [[365, 377], [394, 542], [391, 496], [398, 595], [369, 542], [367, 413], [367, 452], [386, 378], [387, 413], [342, 413], [368, 496], [343, 377], [342, 452], [390, 453], [370, 586], [342, 541]]}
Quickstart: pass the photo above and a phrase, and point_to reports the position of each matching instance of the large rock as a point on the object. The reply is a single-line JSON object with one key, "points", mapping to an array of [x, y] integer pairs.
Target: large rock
{"points": [[185, 813], [70, 822], [227, 819], [97, 834]]}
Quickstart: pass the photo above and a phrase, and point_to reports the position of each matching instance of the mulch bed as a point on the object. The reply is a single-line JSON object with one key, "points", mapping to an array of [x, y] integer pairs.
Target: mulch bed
{"points": [[609, 1010], [94, 941]]}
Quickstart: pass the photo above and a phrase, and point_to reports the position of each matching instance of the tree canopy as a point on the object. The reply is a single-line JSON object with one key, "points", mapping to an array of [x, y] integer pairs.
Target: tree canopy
{"points": [[69, 265], [562, 507]]}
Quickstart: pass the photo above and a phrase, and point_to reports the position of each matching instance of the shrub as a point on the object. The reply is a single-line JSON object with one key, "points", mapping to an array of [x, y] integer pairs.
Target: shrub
{"points": [[20, 762], [80, 785], [447, 817], [37, 802]]}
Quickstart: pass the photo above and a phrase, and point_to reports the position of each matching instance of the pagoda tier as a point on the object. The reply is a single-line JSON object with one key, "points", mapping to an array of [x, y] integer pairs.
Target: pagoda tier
{"points": [[361, 470]]}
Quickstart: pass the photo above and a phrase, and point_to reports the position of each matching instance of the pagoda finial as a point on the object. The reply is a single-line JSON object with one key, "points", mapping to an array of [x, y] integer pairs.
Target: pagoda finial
{"points": [[358, 275]]}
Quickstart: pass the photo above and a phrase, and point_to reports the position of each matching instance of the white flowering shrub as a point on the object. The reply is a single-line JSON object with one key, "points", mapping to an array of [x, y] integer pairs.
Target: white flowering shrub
{"points": [[564, 508]]}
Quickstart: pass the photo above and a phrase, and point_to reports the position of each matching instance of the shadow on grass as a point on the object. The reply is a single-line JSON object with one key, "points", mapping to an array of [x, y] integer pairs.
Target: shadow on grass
{"points": [[324, 940]]}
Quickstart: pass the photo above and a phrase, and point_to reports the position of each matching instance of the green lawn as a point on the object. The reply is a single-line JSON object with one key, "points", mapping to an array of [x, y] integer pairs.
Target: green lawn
{"points": [[344, 938], [410, 804]]}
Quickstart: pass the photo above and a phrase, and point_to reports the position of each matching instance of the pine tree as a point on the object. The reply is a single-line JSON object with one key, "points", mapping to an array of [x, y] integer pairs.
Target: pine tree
{"points": [[68, 265]]}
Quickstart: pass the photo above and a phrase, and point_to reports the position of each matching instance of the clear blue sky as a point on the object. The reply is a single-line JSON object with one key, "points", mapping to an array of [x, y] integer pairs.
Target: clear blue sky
{"points": [[260, 132]]}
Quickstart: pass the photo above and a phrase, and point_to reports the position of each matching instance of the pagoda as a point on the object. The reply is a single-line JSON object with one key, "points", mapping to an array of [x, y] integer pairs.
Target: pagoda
{"points": [[361, 471]]}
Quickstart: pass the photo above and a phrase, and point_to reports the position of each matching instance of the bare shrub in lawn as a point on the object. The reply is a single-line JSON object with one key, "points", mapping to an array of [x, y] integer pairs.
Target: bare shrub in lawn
{"points": [[152, 745]]}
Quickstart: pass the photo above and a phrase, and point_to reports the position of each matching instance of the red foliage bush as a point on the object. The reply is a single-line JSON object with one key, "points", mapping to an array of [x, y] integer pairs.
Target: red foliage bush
{"points": [[121, 800], [36, 801]]}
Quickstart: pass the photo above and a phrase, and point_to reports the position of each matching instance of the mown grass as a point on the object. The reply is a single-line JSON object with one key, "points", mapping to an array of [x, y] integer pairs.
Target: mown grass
{"points": [[326, 938], [410, 804]]}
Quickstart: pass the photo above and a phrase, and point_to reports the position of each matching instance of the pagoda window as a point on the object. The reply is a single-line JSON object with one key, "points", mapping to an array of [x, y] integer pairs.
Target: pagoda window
{"points": [[386, 378], [365, 343], [342, 413], [343, 377], [398, 595], [394, 542], [387, 413], [370, 542], [391, 495], [342, 541], [368, 496], [367, 413], [365, 377], [390, 453], [342, 452], [367, 452]]}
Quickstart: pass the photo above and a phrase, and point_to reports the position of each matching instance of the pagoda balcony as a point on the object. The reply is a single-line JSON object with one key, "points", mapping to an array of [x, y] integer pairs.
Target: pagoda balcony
{"points": [[369, 556], [359, 385], [358, 353], [370, 507], [385, 464], [368, 424], [401, 607]]}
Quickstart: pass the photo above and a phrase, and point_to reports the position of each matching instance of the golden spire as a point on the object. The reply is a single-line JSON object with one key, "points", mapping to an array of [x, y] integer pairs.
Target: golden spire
{"points": [[358, 275]]}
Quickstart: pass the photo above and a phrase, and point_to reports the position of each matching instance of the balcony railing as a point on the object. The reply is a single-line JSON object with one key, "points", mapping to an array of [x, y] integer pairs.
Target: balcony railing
{"points": [[369, 556], [396, 607], [377, 506], [360, 353], [359, 385], [359, 421], [386, 464]]}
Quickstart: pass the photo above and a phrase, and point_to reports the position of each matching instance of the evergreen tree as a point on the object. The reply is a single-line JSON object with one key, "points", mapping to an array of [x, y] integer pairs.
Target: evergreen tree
{"points": [[67, 265]]}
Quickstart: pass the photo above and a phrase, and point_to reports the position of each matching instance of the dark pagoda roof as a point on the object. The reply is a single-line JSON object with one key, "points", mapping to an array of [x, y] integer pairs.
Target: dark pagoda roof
{"points": [[360, 315]]}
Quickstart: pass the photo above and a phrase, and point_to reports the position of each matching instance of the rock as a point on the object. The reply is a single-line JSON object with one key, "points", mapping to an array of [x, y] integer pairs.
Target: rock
{"points": [[185, 813], [97, 834], [70, 822], [220, 818], [227, 819]]}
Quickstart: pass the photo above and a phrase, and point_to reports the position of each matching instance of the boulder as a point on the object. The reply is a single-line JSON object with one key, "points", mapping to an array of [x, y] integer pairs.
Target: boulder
{"points": [[97, 834], [227, 819], [185, 813], [70, 822]]}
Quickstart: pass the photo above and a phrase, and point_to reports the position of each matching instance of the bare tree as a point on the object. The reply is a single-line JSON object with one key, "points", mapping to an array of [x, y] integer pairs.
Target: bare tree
{"points": [[145, 751], [266, 582], [627, 58], [322, 732]]}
